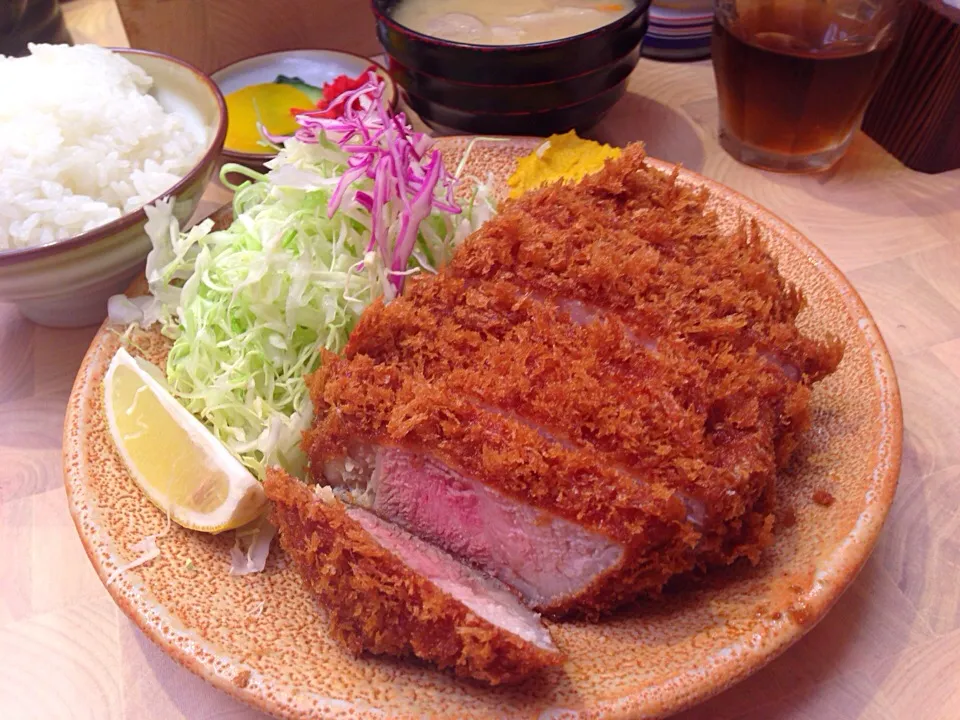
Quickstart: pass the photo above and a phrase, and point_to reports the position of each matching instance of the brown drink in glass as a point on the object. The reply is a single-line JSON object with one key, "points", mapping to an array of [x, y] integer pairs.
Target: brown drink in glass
{"points": [[795, 76]]}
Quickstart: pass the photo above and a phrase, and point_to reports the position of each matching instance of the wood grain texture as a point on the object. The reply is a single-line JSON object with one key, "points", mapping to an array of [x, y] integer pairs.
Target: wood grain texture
{"points": [[914, 113], [889, 649], [214, 33]]}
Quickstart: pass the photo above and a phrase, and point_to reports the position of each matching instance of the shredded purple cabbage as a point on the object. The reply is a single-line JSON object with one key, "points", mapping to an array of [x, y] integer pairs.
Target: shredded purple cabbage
{"points": [[409, 182]]}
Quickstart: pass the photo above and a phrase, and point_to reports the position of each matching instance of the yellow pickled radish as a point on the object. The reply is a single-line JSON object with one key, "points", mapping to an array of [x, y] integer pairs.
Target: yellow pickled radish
{"points": [[270, 103]]}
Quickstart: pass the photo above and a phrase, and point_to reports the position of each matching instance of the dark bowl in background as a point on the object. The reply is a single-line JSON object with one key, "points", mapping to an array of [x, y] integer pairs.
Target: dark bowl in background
{"points": [[535, 89]]}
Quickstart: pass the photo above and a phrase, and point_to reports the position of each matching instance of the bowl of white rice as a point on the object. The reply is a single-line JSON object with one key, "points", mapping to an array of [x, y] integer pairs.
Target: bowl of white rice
{"points": [[88, 137]]}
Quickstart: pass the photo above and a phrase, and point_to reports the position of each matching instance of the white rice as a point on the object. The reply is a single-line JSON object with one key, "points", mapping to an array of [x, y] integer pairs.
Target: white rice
{"points": [[82, 143]]}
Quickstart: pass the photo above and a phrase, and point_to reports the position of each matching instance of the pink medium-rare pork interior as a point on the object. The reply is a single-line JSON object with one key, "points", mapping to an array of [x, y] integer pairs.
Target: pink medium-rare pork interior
{"points": [[484, 596], [390, 593], [544, 557]]}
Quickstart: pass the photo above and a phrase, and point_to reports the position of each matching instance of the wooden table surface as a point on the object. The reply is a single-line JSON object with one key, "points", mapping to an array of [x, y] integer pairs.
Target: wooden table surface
{"points": [[890, 648]]}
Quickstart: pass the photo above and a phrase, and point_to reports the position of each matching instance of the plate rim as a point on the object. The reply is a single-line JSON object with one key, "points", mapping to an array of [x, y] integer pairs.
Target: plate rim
{"points": [[229, 674]]}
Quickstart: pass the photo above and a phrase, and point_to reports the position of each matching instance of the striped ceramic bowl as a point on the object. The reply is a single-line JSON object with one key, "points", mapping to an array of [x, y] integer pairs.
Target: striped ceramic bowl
{"points": [[67, 283]]}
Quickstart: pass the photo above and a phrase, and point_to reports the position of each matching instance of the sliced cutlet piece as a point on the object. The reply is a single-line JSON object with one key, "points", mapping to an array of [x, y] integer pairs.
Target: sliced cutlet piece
{"points": [[586, 386], [389, 593], [557, 523], [634, 242]]}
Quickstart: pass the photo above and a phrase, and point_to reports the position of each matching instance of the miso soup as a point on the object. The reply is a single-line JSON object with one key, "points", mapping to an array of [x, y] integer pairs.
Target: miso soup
{"points": [[507, 22]]}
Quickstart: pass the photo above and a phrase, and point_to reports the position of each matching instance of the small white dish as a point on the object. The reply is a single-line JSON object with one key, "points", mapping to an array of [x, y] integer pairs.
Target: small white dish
{"points": [[314, 67]]}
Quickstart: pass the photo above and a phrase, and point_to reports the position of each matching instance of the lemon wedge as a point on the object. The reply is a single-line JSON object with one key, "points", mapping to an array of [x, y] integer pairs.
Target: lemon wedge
{"points": [[173, 458]]}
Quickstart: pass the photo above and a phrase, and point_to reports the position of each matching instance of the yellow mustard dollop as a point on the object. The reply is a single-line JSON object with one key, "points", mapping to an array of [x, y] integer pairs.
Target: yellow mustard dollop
{"points": [[268, 102], [561, 157]]}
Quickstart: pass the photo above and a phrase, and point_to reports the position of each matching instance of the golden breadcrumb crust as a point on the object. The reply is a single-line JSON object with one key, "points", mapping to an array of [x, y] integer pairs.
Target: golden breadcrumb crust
{"points": [[360, 402], [605, 352], [586, 385], [634, 240], [378, 604]]}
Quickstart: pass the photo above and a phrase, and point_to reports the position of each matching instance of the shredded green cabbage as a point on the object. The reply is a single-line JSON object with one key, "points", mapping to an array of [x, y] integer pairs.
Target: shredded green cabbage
{"points": [[250, 307]]}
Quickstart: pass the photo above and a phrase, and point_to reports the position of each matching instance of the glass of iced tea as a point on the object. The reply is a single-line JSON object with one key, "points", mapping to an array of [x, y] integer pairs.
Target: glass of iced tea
{"points": [[795, 76]]}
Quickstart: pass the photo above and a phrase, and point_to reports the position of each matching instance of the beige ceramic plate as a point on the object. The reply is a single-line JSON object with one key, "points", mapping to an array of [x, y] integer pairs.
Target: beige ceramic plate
{"points": [[261, 638]]}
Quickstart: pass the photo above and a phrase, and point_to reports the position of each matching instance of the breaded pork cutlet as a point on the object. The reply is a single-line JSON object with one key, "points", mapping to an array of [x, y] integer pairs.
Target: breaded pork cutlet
{"points": [[387, 592], [634, 242], [584, 386], [595, 395], [570, 531]]}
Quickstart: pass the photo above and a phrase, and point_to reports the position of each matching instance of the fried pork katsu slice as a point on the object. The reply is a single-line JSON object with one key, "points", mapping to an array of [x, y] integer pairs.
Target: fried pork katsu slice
{"points": [[595, 395], [634, 242], [387, 592], [561, 526], [587, 386]]}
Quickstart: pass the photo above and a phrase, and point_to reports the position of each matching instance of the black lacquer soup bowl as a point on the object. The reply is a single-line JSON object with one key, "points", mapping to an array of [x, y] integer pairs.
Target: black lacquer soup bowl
{"points": [[534, 89]]}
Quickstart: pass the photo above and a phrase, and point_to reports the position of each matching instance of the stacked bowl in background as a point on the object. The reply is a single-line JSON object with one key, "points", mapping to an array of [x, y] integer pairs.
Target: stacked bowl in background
{"points": [[679, 30], [534, 89]]}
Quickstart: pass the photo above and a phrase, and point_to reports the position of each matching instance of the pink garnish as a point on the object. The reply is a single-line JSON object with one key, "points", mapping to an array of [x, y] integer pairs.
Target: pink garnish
{"points": [[409, 183]]}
